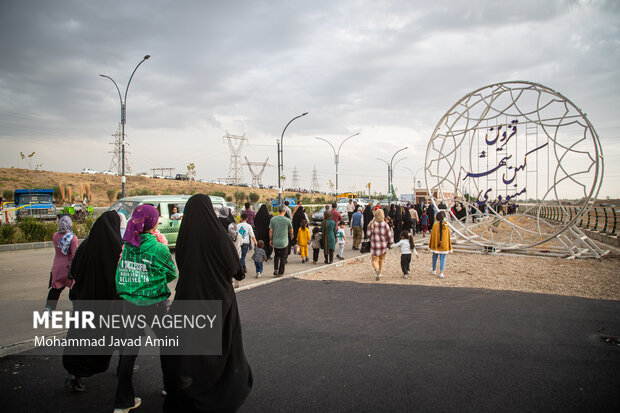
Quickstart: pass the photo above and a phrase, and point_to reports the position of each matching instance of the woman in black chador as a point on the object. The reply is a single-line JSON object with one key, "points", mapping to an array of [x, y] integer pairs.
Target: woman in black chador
{"points": [[397, 221], [207, 261], [368, 216], [94, 271], [261, 228]]}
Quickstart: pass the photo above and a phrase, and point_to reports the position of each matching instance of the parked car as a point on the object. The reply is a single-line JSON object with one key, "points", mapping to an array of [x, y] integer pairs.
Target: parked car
{"points": [[107, 172], [169, 177], [144, 175], [181, 177], [317, 217], [164, 204], [89, 171], [232, 207]]}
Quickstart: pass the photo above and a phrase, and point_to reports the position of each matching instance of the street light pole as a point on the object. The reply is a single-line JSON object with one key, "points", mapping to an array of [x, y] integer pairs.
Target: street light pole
{"points": [[124, 118], [337, 154], [391, 170], [281, 156]]}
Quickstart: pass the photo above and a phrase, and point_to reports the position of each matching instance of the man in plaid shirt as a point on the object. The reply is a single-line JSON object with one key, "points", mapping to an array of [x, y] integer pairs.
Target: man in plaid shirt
{"points": [[381, 238], [251, 214]]}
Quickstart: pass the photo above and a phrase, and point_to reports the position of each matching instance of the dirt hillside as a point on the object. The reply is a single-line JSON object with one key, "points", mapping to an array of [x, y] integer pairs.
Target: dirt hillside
{"points": [[14, 178]]}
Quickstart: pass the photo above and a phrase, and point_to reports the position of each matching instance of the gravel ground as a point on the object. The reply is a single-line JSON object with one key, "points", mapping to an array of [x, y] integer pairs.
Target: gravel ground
{"points": [[589, 278]]}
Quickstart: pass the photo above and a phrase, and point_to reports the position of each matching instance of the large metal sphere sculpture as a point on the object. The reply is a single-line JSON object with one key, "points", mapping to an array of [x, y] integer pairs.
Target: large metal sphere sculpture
{"points": [[513, 147]]}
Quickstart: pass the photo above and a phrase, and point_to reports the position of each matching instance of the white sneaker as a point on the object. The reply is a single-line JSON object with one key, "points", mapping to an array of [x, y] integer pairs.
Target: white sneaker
{"points": [[441, 275], [433, 271], [258, 275], [137, 402]]}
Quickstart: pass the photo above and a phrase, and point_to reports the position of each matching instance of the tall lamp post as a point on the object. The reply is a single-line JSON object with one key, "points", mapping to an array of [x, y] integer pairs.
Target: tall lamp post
{"points": [[124, 118], [392, 169], [281, 156], [414, 175], [337, 154]]}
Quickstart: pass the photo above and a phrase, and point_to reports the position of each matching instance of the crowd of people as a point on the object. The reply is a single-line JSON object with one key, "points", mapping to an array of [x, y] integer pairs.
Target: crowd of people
{"points": [[129, 260]]}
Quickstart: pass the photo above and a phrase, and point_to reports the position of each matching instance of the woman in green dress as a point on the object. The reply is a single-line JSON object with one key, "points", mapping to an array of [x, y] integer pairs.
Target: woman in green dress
{"points": [[328, 228]]}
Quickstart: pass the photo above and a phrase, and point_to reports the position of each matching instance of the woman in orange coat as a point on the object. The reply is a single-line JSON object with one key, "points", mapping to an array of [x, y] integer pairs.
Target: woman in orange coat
{"points": [[439, 243]]}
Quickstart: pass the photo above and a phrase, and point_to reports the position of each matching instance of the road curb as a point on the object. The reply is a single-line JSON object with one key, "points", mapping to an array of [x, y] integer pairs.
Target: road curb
{"points": [[301, 273]]}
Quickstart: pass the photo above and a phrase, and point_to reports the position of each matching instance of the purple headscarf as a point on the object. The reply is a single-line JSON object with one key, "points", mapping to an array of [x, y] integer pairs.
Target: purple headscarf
{"points": [[144, 217]]}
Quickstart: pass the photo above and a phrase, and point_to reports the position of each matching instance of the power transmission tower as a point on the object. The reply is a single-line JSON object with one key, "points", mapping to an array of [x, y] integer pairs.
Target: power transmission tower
{"points": [[235, 143], [295, 179], [314, 185], [117, 154], [257, 177]]}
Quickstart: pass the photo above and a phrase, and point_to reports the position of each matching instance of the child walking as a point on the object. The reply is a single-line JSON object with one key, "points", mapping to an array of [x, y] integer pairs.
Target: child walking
{"points": [[303, 237], [259, 257], [424, 223], [341, 240], [315, 241], [407, 246], [439, 243]]}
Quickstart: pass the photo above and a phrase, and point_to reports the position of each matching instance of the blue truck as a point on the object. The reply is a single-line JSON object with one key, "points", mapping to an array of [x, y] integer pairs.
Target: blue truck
{"points": [[35, 203]]}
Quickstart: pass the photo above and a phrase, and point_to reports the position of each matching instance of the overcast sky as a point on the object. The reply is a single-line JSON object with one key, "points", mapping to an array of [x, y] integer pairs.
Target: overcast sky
{"points": [[387, 69]]}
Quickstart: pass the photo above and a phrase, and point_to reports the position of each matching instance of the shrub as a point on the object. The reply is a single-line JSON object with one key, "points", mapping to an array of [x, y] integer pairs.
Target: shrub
{"points": [[254, 197], [57, 194], [7, 234], [229, 198], [7, 195], [81, 230], [239, 196], [119, 195], [35, 231], [218, 193], [306, 200], [111, 193], [143, 191]]}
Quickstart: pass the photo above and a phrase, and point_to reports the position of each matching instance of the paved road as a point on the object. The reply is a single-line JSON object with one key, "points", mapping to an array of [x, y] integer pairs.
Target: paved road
{"points": [[319, 346], [24, 277]]}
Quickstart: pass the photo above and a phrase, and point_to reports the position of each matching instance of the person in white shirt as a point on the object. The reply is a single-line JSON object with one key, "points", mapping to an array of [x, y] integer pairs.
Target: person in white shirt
{"points": [[350, 209], [175, 214], [341, 240], [246, 232], [407, 246]]}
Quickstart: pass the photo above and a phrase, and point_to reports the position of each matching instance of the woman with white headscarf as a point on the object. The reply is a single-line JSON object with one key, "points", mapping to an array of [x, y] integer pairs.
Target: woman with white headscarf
{"points": [[65, 244]]}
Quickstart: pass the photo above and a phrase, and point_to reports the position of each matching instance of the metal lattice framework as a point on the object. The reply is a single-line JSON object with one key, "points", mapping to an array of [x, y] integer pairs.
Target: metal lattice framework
{"points": [[295, 178], [257, 177], [508, 143], [235, 171], [116, 162], [314, 184]]}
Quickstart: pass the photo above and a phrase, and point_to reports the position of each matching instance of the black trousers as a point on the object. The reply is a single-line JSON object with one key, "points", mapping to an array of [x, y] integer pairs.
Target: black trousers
{"points": [[280, 256], [329, 256], [52, 298], [405, 261], [315, 254], [124, 390]]}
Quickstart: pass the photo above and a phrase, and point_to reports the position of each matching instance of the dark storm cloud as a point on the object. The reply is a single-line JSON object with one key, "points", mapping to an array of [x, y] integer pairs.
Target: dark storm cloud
{"points": [[391, 68]]}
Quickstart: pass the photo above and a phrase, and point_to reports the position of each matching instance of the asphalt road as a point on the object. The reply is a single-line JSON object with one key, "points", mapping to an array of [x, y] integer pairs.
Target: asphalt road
{"points": [[319, 346], [24, 276]]}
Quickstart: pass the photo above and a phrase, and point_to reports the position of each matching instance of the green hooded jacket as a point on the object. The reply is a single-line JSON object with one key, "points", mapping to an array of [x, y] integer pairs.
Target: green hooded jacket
{"points": [[143, 272]]}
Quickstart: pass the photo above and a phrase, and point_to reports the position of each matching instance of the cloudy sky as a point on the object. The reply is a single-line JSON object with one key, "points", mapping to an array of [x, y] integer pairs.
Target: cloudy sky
{"points": [[387, 69]]}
